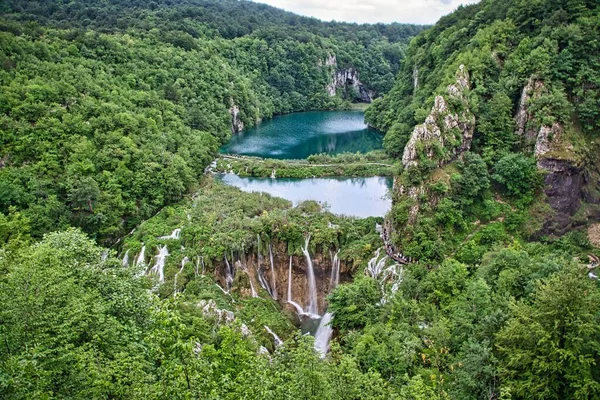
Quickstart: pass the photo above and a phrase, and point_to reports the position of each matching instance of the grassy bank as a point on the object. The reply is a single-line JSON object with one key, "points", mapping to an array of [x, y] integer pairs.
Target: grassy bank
{"points": [[321, 165]]}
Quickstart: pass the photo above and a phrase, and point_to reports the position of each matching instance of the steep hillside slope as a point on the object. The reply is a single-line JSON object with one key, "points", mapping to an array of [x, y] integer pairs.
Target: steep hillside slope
{"points": [[509, 92]]}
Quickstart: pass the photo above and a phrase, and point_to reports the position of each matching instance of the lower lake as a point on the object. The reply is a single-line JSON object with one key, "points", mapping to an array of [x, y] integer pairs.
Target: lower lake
{"points": [[357, 197]]}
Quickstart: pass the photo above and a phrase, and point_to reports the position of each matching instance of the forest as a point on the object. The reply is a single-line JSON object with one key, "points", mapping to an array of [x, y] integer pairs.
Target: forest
{"points": [[117, 250]]}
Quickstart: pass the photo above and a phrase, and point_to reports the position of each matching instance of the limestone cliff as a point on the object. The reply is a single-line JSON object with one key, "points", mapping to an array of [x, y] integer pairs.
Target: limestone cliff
{"points": [[347, 79], [446, 134], [237, 125], [570, 174]]}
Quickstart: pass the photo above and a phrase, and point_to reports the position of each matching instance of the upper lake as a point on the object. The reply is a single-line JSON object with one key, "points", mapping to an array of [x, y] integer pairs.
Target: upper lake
{"points": [[299, 135]]}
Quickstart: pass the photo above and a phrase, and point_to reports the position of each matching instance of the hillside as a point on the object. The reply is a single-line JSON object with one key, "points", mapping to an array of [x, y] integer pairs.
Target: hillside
{"points": [[498, 101], [112, 110]]}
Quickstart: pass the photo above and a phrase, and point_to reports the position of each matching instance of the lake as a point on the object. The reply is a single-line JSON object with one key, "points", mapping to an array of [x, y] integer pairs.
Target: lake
{"points": [[298, 135], [357, 197]]}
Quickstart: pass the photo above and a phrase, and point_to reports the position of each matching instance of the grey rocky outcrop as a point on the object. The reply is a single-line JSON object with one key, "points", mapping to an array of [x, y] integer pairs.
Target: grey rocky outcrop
{"points": [[567, 181], [346, 78], [237, 125], [443, 129]]}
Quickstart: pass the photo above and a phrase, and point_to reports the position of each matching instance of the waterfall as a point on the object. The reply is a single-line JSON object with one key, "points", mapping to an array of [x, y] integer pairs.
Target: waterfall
{"points": [[335, 271], [140, 260], [126, 259], [243, 267], [228, 274], [289, 294], [324, 331], [159, 267], [297, 306], [276, 339], [261, 279], [313, 307], [183, 262], [176, 234], [375, 265], [104, 255], [273, 286], [323, 335]]}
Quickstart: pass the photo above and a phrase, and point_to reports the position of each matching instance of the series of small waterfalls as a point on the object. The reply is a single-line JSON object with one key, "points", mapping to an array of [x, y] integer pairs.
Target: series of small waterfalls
{"points": [[343, 130]]}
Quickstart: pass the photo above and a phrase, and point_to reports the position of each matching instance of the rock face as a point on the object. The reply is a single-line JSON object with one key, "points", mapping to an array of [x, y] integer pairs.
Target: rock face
{"points": [[237, 125], [445, 135], [568, 182], [322, 262], [564, 183], [345, 79], [525, 125]]}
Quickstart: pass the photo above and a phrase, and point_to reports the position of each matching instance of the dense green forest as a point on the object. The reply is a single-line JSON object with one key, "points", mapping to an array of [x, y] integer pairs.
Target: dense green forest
{"points": [[110, 112], [117, 251]]}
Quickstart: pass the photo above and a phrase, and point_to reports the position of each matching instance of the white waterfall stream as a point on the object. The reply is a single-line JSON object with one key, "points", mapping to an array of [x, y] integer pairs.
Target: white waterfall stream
{"points": [[335, 271], [243, 267], [176, 234], [125, 262], [260, 271], [313, 307], [159, 267], [297, 306], [183, 262], [376, 265], [228, 274], [324, 331], [273, 285], [140, 259], [323, 335], [276, 339]]}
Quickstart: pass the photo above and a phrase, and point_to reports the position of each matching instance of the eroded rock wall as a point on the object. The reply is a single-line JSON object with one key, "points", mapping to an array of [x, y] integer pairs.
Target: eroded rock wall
{"points": [[343, 79]]}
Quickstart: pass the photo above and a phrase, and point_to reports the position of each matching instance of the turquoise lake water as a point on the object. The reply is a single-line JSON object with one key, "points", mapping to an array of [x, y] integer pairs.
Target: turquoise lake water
{"points": [[298, 135]]}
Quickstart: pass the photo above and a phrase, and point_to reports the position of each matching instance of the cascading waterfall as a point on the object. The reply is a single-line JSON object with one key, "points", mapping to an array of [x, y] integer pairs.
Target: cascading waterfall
{"points": [[140, 260], [276, 339], [159, 267], [104, 255], [228, 274], [297, 306], [176, 234], [125, 262], [261, 279], [183, 262], [289, 294], [313, 307], [335, 271], [323, 335], [243, 267], [273, 286], [324, 331], [376, 265]]}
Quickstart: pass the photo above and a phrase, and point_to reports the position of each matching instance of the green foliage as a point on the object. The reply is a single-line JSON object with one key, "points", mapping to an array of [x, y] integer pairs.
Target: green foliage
{"points": [[354, 305], [550, 345], [518, 174]]}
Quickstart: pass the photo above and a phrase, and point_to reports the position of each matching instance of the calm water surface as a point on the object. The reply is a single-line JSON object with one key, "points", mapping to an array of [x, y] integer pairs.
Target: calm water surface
{"points": [[298, 135], [357, 197]]}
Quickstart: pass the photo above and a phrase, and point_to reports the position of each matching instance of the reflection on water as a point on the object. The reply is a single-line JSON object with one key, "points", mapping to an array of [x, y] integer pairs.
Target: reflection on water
{"points": [[299, 135], [358, 197]]}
